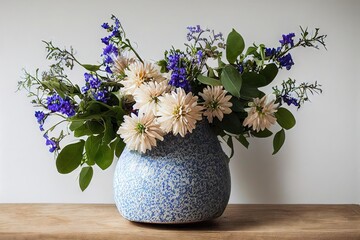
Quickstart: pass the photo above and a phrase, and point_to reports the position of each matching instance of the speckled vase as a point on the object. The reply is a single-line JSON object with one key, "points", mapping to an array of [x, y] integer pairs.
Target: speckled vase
{"points": [[182, 180]]}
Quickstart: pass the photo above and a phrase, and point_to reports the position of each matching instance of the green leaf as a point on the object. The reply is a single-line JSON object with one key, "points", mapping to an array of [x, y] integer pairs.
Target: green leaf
{"points": [[231, 146], [104, 156], [89, 128], [91, 68], [208, 81], [109, 133], [237, 106], [242, 139], [118, 146], [85, 177], [231, 124], [278, 141], [262, 134], [92, 145], [70, 157], [249, 93], [234, 46], [221, 64], [285, 118], [253, 80], [75, 125], [270, 72], [250, 50], [231, 80]]}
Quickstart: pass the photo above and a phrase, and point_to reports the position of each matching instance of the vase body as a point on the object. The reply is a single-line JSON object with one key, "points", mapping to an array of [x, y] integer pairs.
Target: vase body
{"points": [[181, 180]]}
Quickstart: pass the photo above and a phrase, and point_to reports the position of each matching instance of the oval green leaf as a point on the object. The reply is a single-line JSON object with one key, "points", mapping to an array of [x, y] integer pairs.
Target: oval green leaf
{"points": [[70, 157], [270, 72], [231, 80], [85, 177], [91, 68], [104, 156], [92, 145], [234, 46], [278, 141], [262, 134], [285, 118], [208, 81]]}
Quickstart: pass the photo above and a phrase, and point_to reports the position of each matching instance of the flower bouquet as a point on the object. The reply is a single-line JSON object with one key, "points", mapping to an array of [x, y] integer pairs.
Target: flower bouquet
{"points": [[126, 101]]}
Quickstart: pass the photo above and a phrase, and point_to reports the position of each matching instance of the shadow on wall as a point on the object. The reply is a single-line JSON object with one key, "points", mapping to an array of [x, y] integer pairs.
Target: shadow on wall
{"points": [[257, 176]]}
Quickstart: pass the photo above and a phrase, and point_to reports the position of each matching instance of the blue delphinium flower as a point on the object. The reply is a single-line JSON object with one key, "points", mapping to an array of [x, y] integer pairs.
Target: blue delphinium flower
{"points": [[55, 103], [287, 39], [199, 56], [54, 145], [93, 84], [286, 61], [192, 31], [40, 116], [178, 74], [110, 51], [269, 52], [290, 100], [101, 95]]}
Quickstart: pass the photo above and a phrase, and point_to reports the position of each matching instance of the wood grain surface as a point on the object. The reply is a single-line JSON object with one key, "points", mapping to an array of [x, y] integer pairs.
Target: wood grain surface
{"points": [[95, 221]]}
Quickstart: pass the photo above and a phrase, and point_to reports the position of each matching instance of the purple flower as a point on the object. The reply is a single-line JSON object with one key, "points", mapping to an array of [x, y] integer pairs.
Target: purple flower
{"points": [[54, 145], [199, 55], [286, 61], [101, 95], [55, 103], [269, 52], [287, 39], [40, 116], [196, 29], [290, 100], [193, 30], [178, 76], [105, 26]]}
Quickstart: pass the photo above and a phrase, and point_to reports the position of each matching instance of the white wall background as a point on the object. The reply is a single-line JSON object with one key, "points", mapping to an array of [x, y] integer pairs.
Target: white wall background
{"points": [[320, 160]]}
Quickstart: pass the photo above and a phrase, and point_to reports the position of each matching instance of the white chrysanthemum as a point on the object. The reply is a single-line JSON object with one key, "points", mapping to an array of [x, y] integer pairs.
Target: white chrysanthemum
{"points": [[178, 112], [140, 132], [261, 114], [121, 63], [216, 102], [137, 73], [147, 96]]}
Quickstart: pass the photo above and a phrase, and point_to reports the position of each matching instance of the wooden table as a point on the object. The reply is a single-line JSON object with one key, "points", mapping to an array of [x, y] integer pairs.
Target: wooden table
{"points": [[95, 221]]}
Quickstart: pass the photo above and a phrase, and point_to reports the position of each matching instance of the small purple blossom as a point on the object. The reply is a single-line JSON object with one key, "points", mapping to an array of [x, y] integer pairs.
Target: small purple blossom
{"points": [[286, 61], [101, 95], [199, 56], [105, 26], [287, 39], [269, 52], [54, 145], [93, 85], [92, 81], [40, 116], [178, 75], [196, 29], [218, 36], [55, 103], [290, 100], [192, 31]]}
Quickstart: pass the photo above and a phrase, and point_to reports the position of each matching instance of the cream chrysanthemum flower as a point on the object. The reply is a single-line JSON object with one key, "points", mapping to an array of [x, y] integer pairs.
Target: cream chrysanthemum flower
{"points": [[216, 102], [147, 96], [261, 114], [121, 63], [137, 73], [178, 112], [140, 132]]}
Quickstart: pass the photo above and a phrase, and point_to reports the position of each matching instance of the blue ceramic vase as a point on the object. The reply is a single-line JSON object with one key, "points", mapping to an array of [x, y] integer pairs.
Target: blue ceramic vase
{"points": [[182, 180]]}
